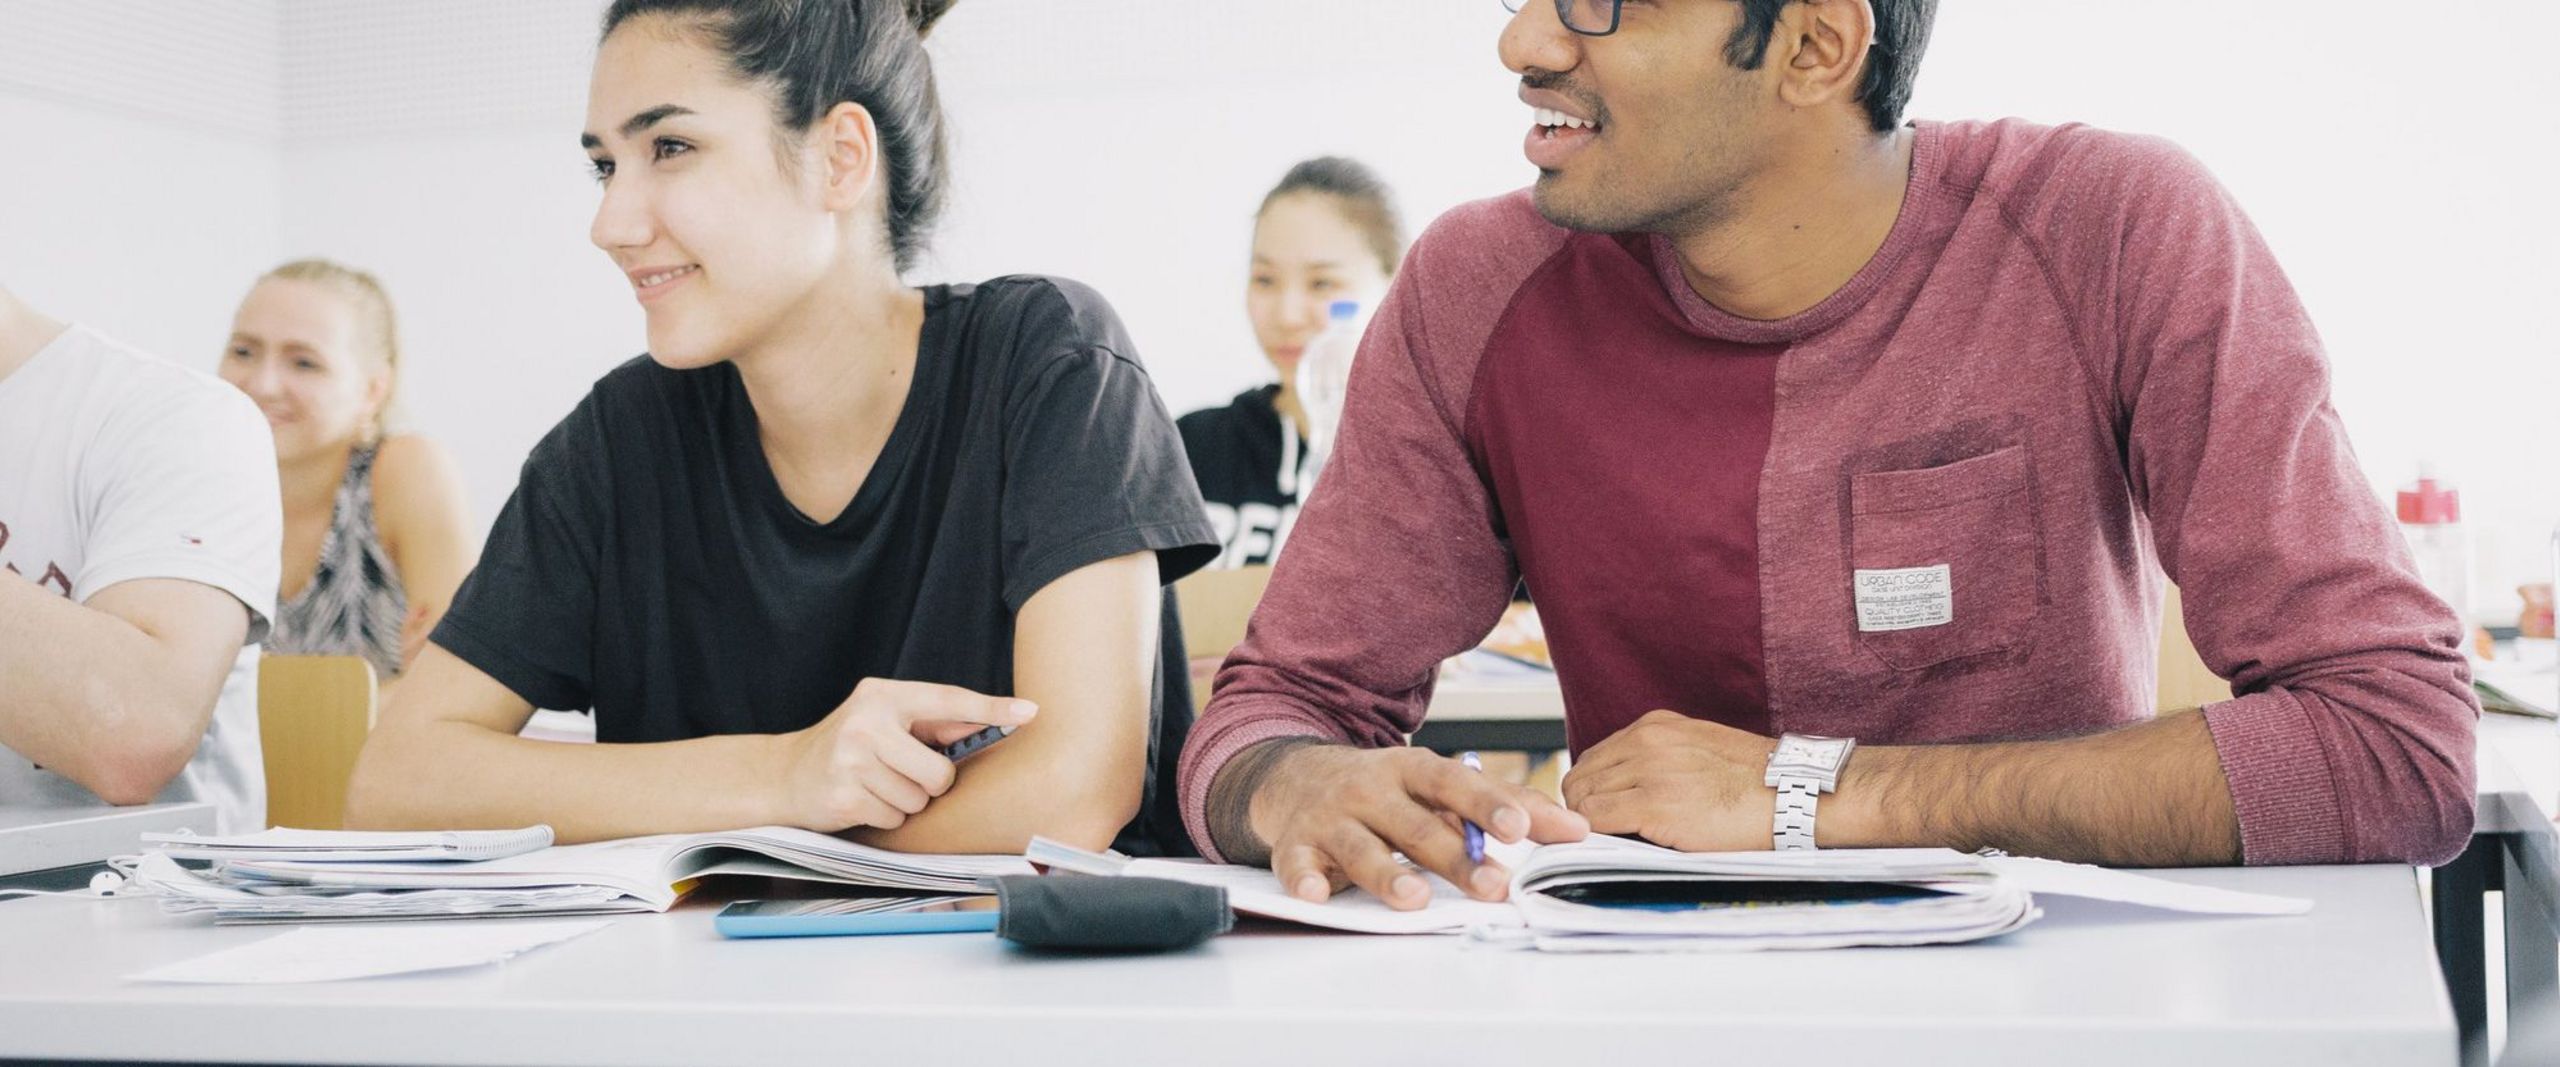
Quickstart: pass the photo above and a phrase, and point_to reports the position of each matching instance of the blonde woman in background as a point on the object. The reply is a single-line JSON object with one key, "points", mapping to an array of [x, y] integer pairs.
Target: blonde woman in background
{"points": [[374, 535]]}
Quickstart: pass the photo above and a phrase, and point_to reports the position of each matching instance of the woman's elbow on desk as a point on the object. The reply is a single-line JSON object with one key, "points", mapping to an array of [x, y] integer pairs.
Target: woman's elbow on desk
{"points": [[377, 789], [955, 825]]}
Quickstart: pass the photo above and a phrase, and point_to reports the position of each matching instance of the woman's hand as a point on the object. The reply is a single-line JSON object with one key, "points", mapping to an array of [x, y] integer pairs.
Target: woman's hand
{"points": [[877, 758]]}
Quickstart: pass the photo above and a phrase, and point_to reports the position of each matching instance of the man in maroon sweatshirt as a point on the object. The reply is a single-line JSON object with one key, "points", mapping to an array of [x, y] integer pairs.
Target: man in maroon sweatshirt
{"points": [[1800, 420]]}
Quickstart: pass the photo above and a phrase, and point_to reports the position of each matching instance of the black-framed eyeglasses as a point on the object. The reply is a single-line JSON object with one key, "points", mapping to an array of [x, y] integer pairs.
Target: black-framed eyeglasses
{"points": [[1590, 18], [1599, 18]]}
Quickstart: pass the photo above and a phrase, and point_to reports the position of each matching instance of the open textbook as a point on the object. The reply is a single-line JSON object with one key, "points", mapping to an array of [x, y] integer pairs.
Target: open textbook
{"points": [[1616, 894], [245, 884]]}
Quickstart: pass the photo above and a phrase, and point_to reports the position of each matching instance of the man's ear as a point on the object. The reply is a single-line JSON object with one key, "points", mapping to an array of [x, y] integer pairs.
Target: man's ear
{"points": [[1820, 50], [849, 144]]}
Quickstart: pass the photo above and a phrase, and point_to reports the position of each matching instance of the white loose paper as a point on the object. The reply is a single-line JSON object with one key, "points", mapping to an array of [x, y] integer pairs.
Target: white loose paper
{"points": [[2054, 878], [336, 953], [1255, 891]]}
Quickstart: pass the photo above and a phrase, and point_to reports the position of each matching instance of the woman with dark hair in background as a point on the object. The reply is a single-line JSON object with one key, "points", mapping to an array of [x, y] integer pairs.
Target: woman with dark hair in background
{"points": [[375, 538], [831, 524], [1327, 232]]}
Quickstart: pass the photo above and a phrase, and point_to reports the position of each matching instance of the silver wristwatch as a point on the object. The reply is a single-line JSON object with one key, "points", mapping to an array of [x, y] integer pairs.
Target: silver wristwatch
{"points": [[1802, 768]]}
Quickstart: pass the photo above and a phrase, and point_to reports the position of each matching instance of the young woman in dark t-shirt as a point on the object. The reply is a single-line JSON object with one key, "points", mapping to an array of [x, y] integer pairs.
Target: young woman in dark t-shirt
{"points": [[830, 523], [1327, 232]]}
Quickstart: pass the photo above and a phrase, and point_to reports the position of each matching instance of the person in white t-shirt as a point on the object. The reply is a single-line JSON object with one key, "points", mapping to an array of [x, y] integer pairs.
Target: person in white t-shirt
{"points": [[140, 535]]}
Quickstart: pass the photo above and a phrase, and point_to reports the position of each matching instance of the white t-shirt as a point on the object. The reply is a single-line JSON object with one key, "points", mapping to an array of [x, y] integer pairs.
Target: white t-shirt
{"points": [[114, 466]]}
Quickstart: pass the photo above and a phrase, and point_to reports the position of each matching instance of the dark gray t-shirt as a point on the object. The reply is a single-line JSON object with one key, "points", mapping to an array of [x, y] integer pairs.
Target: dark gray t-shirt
{"points": [[649, 568]]}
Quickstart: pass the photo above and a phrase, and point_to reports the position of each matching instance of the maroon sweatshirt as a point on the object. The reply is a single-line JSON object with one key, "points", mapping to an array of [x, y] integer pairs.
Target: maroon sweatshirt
{"points": [[1936, 507]]}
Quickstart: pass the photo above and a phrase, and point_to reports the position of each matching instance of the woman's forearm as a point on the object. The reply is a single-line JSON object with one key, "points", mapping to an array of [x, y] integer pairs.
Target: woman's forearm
{"points": [[448, 775], [996, 809]]}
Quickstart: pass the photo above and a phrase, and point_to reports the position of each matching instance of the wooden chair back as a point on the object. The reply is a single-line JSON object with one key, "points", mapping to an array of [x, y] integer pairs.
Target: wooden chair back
{"points": [[313, 715], [2185, 682], [1215, 607]]}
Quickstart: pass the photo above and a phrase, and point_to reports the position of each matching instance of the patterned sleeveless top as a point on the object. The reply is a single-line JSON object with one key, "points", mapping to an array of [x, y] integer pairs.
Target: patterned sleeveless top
{"points": [[355, 604]]}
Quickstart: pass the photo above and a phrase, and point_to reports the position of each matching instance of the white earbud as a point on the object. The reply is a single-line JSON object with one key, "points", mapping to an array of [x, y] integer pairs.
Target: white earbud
{"points": [[106, 883]]}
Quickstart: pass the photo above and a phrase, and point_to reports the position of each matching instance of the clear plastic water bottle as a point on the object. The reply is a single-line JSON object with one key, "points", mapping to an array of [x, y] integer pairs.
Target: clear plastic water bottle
{"points": [[1324, 377], [2431, 518]]}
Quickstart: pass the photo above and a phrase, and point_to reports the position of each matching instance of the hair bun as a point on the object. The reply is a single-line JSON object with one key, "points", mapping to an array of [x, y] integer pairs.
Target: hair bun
{"points": [[924, 13]]}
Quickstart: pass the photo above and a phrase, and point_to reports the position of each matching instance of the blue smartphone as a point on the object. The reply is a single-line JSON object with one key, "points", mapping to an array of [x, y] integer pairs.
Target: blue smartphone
{"points": [[857, 916]]}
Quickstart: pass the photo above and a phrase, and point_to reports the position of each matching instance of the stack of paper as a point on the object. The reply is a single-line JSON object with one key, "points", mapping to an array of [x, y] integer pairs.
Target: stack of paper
{"points": [[1611, 894], [285, 843], [633, 874]]}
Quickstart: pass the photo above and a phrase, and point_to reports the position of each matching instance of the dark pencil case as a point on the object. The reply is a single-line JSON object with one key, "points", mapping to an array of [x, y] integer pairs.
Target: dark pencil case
{"points": [[1088, 913]]}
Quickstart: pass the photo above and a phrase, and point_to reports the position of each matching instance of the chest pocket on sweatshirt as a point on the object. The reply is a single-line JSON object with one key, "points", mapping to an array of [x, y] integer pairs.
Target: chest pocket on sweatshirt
{"points": [[1946, 562]]}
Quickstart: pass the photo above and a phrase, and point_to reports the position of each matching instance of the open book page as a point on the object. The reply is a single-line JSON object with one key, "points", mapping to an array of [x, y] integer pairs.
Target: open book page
{"points": [[1256, 891], [2056, 878], [846, 861], [1601, 857]]}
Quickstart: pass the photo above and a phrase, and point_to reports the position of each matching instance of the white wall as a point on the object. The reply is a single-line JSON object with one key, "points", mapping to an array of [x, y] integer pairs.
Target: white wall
{"points": [[1131, 152], [139, 164], [2396, 156], [437, 145]]}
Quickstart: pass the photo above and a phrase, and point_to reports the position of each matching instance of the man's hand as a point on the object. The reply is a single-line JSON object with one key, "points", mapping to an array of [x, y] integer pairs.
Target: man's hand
{"points": [[1336, 816], [1678, 782]]}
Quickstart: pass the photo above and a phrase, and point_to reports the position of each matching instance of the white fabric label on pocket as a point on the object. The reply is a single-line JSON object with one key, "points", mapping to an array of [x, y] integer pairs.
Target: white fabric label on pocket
{"points": [[1904, 598]]}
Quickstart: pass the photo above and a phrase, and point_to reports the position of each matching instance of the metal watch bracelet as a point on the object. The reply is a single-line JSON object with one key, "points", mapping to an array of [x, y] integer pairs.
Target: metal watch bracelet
{"points": [[1791, 830]]}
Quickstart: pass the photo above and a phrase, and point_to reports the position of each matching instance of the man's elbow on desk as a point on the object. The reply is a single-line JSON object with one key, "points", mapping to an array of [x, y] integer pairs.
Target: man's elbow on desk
{"points": [[2428, 818], [139, 741], [132, 774], [2353, 785]]}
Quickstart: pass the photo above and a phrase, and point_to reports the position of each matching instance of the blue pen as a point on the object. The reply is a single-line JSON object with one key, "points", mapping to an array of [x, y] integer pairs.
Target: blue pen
{"points": [[1475, 834], [968, 746]]}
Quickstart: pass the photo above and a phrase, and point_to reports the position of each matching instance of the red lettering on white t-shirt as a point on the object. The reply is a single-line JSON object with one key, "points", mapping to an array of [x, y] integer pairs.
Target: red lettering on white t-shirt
{"points": [[53, 575]]}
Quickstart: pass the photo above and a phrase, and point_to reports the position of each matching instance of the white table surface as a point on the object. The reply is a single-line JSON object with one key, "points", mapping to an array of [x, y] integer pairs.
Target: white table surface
{"points": [[2353, 982], [2519, 757]]}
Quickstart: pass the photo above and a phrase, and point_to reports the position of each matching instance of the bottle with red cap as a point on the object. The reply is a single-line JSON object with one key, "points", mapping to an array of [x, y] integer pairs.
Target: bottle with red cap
{"points": [[2431, 518]]}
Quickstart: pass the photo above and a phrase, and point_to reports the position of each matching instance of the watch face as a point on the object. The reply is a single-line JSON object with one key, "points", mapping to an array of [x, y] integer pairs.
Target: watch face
{"points": [[1822, 752]]}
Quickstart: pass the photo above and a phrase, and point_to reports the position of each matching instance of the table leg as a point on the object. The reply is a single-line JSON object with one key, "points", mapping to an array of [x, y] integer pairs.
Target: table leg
{"points": [[2460, 890], [2533, 944]]}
